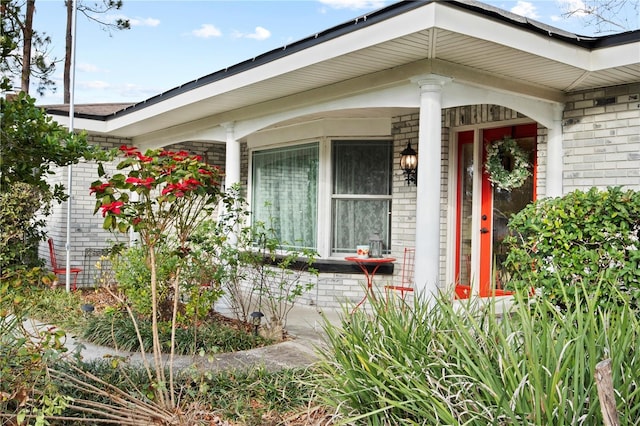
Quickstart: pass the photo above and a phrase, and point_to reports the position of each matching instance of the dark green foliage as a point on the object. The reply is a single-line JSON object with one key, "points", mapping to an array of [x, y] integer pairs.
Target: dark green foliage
{"points": [[21, 231], [578, 238], [116, 329], [33, 144]]}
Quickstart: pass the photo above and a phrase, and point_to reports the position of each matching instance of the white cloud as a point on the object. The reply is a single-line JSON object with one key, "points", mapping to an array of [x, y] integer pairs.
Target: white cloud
{"points": [[87, 67], [95, 84], [144, 22], [354, 4], [207, 31], [526, 9], [260, 33]]}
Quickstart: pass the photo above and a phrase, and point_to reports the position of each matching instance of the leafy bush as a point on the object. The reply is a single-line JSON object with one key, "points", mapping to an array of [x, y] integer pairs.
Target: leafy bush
{"points": [[21, 233], [558, 242], [260, 272], [134, 279], [459, 364]]}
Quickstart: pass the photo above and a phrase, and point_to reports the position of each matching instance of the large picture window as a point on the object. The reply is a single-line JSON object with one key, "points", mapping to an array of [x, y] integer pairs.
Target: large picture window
{"points": [[284, 193], [361, 196]]}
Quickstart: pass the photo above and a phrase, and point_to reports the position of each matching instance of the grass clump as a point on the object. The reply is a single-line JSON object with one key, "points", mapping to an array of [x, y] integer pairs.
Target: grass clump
{"points": [[116, 329], [455, 364]]}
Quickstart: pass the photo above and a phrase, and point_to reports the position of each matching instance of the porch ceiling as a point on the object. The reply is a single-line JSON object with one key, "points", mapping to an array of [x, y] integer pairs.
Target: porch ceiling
{"points": [[439, 32]]}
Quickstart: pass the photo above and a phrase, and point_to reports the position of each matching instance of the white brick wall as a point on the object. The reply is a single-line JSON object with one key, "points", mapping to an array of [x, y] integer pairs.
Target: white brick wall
{"points": [[602, 138], [86, 227]]}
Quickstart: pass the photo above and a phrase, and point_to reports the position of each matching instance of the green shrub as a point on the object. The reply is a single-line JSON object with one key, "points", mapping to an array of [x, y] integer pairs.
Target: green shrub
{"points": [[461, 364], [21, 232], [578, 238], [134, 278]]}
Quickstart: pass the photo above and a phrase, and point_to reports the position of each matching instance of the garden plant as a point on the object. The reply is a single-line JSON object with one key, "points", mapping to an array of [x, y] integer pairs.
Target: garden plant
{"points": [[468, 364], [158, 194], [557, 243]]}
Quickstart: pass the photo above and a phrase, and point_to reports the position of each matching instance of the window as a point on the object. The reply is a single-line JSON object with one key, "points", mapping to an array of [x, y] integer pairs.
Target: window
{"points": [[284, 194], [286, 187], [361, 196]]}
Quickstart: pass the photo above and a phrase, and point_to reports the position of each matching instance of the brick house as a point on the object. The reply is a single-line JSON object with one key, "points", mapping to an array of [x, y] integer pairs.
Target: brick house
{"points": [[317, 128]]}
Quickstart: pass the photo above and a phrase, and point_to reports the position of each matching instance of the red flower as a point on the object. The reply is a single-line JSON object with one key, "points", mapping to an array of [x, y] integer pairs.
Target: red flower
{"points": [[144, 158], [99, 188], [112, 208], [178, 189], [129, 151], [136, 220], [165, 153], [140, 182], [197, 157]]}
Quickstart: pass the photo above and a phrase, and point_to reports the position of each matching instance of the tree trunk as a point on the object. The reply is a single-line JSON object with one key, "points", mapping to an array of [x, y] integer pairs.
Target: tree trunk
{"points": [[67, 54], [27, 34]]}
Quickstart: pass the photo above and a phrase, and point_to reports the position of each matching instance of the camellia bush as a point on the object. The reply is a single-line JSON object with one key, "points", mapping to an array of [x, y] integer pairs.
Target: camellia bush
{"points": [[163, 196], [582, 238]]}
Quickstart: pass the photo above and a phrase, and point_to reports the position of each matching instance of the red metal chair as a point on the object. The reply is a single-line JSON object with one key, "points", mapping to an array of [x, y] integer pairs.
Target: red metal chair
{"points": [[62, 271], [406, 282]]}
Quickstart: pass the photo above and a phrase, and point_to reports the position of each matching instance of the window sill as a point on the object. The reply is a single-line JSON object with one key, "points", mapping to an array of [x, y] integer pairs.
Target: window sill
{"points": [[338, 266]]}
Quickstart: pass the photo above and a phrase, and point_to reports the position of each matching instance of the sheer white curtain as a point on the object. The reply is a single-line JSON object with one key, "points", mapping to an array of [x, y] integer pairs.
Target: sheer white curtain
{"points": [[361, 199], [284, 193]]}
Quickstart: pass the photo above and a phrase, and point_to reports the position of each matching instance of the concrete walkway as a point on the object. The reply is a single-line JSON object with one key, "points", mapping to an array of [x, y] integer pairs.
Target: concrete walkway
{"points": [[304, 327]]}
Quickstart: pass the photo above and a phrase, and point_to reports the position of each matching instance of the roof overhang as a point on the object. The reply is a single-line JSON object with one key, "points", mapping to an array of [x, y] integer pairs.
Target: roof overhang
{"points": [[468, 41]]}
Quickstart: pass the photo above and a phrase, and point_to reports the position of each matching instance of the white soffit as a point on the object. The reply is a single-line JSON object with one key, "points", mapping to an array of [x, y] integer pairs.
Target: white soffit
{"points": [[434, 31]]}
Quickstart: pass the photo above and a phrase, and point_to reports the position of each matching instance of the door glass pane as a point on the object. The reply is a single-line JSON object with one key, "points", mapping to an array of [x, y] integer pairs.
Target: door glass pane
{"points": [[506, 204], [465, 203]]}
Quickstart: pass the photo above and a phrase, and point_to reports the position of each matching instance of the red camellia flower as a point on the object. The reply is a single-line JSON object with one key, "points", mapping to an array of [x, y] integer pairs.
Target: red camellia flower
{"points": [[99, 188], [129, 151], [112, 208], [147, 182]]}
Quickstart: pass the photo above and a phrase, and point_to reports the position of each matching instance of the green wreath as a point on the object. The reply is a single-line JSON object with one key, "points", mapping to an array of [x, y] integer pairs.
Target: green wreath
{"points": [[507, 164]]}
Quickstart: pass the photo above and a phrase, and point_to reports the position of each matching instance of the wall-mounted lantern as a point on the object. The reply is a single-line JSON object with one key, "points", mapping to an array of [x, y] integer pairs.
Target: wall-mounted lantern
{"points": [[409, 164]]}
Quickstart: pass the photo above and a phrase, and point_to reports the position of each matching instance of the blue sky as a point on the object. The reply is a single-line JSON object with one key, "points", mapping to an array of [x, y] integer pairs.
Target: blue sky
{"points": [[173, 42]]}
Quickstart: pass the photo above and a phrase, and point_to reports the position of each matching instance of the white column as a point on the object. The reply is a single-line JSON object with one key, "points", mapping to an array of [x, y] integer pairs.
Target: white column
{"points": [[232, 157], [427, 265], [554, 155]]}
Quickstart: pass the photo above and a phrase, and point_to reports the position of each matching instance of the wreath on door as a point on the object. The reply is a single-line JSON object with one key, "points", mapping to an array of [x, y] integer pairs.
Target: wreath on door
{"points": [[507, 164]]}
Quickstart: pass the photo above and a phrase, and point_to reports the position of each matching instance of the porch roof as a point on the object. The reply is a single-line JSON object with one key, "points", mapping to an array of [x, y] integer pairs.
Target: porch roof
{"points": [[467, 40]]}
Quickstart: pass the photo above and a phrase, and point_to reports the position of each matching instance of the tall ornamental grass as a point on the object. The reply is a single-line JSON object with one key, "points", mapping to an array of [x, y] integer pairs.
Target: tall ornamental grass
{"points": [[466, 364]]}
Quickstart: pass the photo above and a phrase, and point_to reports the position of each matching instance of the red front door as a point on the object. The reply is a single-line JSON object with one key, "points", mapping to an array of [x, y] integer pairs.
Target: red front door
{"points": [[486, 276]]}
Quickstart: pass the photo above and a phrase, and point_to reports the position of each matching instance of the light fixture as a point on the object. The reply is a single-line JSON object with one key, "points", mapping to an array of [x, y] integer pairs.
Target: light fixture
{"points": [[256, 319], [409, 164]]}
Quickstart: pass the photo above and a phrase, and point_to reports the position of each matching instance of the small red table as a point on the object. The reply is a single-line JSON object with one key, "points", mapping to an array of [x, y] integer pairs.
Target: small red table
{"points": [[363, 263]]}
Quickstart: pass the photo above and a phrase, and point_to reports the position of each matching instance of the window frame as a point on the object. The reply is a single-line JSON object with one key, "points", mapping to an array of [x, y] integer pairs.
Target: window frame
{"points": [[325, 194]]}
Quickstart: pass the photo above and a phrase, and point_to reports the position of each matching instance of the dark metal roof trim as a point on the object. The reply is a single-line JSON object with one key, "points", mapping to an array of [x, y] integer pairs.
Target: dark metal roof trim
{"points": [[363, 21]]}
